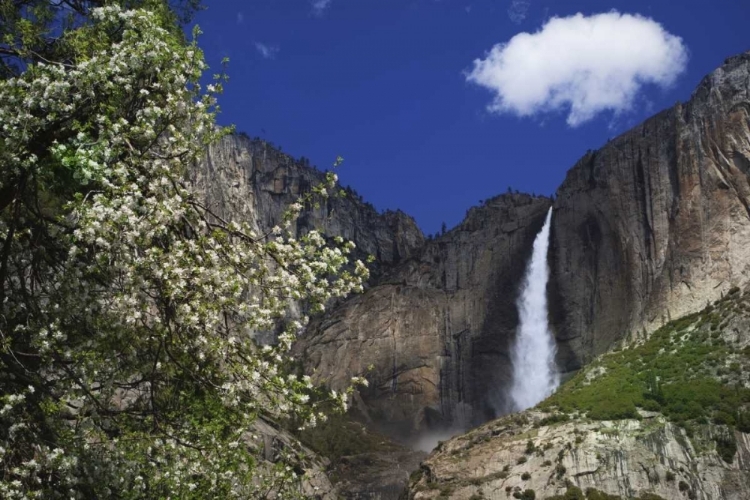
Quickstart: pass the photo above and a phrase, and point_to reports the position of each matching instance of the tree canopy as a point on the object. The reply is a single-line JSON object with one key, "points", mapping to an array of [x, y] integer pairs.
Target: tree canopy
{"points": [[128, 365]]}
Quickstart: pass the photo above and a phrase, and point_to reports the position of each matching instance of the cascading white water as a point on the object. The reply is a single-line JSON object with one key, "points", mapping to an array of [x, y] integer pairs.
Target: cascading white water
{"points": [[535, 375]]}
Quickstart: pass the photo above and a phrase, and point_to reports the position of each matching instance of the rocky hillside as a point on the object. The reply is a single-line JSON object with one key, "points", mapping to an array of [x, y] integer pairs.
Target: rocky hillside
{"points": [[655, 223], [666, 418]]}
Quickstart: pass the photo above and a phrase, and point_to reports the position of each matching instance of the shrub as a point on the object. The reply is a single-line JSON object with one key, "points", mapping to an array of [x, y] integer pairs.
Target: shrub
{"points": [[525, 476], [530, 448], [743, 422], [670, 476], [560, 471], [521, 460], [726, 447], [529, 494], [594, 494], [554, 419]]}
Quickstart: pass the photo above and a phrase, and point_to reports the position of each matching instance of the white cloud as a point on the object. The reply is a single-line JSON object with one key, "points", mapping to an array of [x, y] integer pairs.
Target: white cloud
{"points": [[518, 10], [240, 18], [267, 51], [319, 6], [582, 64]]}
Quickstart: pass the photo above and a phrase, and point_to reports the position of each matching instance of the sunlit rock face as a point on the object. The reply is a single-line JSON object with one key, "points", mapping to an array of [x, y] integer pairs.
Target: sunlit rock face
{"points": [[628, 459], [655, 224]]}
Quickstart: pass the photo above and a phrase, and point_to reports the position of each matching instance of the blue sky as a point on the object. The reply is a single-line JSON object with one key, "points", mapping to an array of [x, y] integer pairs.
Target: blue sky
{"points": [[391, 85]]}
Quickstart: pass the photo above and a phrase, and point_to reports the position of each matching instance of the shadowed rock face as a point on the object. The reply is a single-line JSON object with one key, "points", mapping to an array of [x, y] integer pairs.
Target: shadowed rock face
{"points": [[655, 224], [436, 329]]}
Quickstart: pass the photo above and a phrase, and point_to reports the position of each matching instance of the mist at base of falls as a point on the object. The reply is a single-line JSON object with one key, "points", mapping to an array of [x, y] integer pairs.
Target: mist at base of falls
{"points": [[535, 375], [428, 441]]}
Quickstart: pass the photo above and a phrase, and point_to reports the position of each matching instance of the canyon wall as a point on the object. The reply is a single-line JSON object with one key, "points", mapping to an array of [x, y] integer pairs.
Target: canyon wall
{"points": [[656, 223], [437, 319], [435, 330], [652, 226]]}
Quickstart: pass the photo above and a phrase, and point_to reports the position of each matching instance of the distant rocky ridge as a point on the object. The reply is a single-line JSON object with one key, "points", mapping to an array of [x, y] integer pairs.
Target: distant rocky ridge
{"points": [[249, 179]]}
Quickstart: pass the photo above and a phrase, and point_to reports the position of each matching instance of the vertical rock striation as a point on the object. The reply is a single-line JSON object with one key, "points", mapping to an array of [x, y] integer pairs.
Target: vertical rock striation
{"points": [[656, 223]]}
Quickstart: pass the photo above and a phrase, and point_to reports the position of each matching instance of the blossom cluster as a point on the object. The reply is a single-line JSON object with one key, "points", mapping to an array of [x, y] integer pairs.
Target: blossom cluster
{"points": [[139, 315]]}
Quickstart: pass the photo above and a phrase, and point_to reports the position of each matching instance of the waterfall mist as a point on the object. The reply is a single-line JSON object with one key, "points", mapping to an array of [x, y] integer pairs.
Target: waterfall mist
{"points": [[533, 355]]}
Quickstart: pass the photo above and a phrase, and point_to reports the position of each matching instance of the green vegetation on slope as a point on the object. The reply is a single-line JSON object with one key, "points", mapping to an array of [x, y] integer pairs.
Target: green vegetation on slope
{"points": [[575, 493], [687, 370], [340, 435]]}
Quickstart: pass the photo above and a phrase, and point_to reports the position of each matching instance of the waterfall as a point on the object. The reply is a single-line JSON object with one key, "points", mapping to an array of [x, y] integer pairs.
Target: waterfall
{"points": [[534, 372]]}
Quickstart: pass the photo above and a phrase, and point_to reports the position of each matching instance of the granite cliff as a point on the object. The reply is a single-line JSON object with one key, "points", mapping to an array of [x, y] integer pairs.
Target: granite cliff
{"points": [[438, 318], [652, 226], [655, 224], [436, 328]]}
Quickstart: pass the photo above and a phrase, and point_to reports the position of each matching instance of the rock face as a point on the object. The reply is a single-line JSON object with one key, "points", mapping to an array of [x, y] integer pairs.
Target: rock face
{"points": [[655, 224], [250, 180], [268, 442], [436, 329], [375, 476], [652, 226], [627, 458]]}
